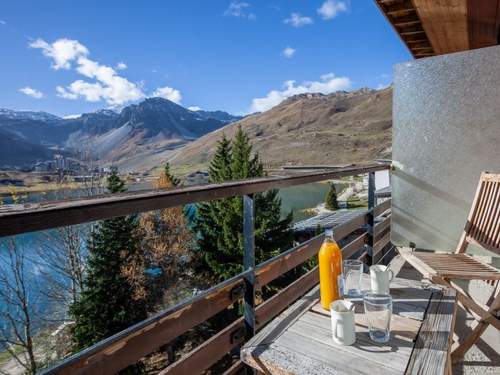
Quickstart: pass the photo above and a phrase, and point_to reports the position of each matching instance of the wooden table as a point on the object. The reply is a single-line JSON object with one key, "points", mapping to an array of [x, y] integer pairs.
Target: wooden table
{"points": [[299, 340]]}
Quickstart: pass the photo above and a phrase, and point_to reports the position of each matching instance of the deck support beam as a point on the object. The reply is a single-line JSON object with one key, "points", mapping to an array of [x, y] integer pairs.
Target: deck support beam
{"points": [[370, 218]]}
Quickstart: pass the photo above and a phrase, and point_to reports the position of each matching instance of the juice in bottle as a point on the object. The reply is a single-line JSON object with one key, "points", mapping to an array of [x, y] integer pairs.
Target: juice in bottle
{"points": [[330, 267]]}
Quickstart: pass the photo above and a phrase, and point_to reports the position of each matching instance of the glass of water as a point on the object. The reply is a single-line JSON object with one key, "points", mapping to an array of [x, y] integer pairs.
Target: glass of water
{"points": [[378, 310], [353, 270]]}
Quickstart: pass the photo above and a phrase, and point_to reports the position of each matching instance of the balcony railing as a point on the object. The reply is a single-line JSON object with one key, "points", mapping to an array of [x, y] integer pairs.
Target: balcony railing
{"points": [[129, 346]]}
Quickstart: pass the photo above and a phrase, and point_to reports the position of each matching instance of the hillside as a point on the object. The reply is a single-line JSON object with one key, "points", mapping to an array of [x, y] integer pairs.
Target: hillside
{"points": [[342, 127], [17, 151]]}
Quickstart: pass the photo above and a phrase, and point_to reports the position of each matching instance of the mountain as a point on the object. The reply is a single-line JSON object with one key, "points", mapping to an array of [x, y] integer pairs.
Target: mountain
{"points": [[219, 115], [27, 115], [140, 130], [342, 127], [17, 151]]}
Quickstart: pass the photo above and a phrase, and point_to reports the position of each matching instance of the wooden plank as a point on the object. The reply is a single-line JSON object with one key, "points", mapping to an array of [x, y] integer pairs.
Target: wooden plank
{"points": [[127, 347], [16, 219], [208, 353], [397, 8], [380, 244], [381, 227], [431, 353], [379, 209], [235, 369], [409, 19], [418, 264], [277, 266], [354, 246], [277, 303]]}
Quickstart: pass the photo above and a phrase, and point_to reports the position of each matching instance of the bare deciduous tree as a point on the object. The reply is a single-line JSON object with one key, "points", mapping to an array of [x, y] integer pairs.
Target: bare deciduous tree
{"points": [[62, 256], [16, 310]]}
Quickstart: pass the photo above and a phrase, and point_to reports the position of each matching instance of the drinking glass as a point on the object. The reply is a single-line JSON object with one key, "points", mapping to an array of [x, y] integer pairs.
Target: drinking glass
{"points": [[353, 270], [378, 310]]}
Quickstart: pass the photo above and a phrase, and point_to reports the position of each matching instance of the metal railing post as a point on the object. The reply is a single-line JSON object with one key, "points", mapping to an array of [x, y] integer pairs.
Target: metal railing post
{"points": [[370, 217], [249, 263]]}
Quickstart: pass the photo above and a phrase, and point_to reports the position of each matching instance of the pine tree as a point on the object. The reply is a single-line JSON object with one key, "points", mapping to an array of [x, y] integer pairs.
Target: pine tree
{"points": [[107, 303], [167, 179], [331, 202], [220, 223]]}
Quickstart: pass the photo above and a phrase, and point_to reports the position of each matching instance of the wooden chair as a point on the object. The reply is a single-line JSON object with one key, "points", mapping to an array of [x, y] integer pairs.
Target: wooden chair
{"points": [[482, 229]]}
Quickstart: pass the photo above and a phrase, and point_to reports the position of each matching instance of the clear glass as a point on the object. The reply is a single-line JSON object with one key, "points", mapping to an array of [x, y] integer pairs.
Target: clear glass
{"points": [[378, 310], [352, 273]]}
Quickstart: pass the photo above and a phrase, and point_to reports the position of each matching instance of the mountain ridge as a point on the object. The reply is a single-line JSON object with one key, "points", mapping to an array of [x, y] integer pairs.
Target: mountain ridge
{"points": [[112, 136], [342, 127]]}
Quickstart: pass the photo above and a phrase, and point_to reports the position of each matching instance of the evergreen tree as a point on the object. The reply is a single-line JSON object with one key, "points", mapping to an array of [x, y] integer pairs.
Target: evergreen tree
{"points": [[220, 223], [107, 303], [167, 179], [331, 202]]}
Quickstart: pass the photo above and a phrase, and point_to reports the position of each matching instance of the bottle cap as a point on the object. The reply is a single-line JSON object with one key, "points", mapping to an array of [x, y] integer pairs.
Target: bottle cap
{"points": [[329, 232]]}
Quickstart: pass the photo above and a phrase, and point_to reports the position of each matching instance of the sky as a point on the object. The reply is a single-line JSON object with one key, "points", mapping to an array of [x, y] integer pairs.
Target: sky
{"points": [[71, 57]]}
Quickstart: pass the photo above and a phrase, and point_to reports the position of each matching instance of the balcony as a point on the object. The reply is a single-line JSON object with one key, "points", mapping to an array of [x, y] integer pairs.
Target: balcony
{"points": [[361, 239]]}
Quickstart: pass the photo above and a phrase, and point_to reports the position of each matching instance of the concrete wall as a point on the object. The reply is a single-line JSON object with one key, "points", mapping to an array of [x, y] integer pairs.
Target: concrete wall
{"points": [[446, 130]]}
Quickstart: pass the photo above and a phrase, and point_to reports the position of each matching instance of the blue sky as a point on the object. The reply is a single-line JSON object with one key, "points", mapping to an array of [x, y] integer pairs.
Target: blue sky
{"points": [[70, 57]]}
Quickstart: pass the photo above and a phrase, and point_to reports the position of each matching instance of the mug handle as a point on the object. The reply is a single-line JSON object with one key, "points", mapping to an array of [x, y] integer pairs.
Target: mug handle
{"points": [[392, 275]]}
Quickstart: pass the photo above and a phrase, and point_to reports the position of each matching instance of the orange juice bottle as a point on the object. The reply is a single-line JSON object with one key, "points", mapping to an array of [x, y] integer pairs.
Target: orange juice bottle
{"points": [[330, 267]]}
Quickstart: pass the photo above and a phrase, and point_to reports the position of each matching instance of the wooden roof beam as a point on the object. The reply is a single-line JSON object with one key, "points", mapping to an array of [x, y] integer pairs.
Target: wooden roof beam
{"points": [[427, 48], [421, 45], [410, 19], [416, 41], [404, 7]]}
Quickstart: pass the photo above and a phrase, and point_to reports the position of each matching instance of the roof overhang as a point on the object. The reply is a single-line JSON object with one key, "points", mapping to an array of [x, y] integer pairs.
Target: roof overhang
{"points": [[437, 27]]}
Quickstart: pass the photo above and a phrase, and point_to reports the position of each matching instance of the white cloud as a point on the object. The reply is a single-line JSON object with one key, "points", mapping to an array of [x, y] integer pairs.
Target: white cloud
{"points": [[62, 51], [297, 20], [34, 93], [121, 66], [2, 22], [239, 9], [194, 108], [107, 84], [331, 8], [382, 86], [288, 52], [169, 93], [71, 117], [327, 84]]}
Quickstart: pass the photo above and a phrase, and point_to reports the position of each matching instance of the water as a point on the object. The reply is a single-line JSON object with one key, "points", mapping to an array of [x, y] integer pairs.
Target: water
{"points": [[301, 197]]}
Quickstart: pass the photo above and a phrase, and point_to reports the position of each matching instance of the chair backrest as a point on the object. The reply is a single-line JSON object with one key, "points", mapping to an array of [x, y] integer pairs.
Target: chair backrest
{"points": [[483, 224]]}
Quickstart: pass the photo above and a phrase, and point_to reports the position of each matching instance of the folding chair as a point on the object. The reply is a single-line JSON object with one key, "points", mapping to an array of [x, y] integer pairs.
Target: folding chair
{"points": [[482, 229]]}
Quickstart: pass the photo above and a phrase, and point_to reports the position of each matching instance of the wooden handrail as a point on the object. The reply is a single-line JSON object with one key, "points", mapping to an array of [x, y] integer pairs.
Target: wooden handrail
{"points": [[128, 346], [23, 218]]}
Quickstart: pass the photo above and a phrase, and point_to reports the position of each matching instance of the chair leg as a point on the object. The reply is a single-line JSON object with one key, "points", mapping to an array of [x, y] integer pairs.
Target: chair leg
{"points": [[464, 346], [459, 352]]}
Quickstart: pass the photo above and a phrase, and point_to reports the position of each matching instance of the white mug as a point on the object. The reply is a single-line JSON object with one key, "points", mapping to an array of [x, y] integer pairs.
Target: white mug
{"points": [[343, 328], [380, 277]]}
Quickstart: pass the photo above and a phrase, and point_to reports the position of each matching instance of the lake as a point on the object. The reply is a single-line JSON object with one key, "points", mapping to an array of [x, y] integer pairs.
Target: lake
{"points": [[295, 199]]}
